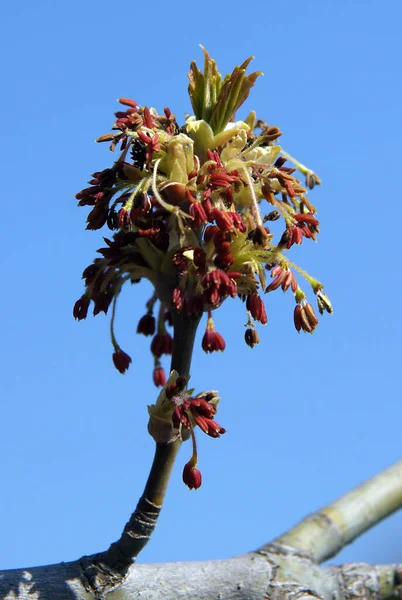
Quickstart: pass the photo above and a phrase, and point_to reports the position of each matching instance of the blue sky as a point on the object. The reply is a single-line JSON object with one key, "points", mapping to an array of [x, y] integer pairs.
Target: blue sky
{"points": [[307, 417]]}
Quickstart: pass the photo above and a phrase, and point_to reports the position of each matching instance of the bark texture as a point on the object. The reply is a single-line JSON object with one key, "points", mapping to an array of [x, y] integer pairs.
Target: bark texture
{"points": [[254, 576]]}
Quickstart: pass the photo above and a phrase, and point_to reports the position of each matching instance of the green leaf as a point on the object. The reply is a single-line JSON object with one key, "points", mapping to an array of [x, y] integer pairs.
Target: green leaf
{"points": [[214, 101]]}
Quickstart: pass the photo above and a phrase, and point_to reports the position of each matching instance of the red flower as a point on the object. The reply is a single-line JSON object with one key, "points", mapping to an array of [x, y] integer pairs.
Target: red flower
{"points": [[123, 218], [159, 376], [284, 278], [121, 360], [191, 476], [127, 102], [198, 213], [152, 145], [162, 343], [223, 219], [219, 280], [256, 306], [305, 318], [146, 325], [213, 341], [307, 218], [80, 310]]}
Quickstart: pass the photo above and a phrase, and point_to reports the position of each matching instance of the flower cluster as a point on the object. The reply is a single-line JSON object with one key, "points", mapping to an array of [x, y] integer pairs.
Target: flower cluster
{"points": [[175, 415], [191, 208]]}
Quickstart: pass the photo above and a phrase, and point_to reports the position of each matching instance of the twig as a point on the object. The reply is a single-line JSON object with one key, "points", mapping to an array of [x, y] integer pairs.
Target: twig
{"points": [[106, 570], [323, 534]]}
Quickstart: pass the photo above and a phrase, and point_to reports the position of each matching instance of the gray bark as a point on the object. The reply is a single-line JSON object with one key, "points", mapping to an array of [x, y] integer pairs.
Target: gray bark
{"points": [[260, 575]]}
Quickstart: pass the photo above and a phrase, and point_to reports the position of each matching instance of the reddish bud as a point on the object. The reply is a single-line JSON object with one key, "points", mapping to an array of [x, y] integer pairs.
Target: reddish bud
{"points": [[282, 277], [305, 318], [146, 325], [307, 218], [238, 221], [213, 341], [297, 318], [80, 310], [123, 218], [208, 426], [121, 360], [223, 220], [209, 209], [256, 307], [162, 343], [210, 232], [159, 376], [127, 102], [98, 216], [198, 213], [191, 476]]}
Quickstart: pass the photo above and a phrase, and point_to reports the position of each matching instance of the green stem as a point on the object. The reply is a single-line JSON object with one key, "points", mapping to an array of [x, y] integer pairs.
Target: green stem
{"points": [[123, 553], [185, 329]]}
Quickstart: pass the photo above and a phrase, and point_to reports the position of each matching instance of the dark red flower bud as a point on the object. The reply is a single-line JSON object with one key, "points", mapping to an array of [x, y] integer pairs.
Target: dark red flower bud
{"points": [[179, 415], [127, 102], [80, 310], [223, 220], [191, 476], [256, 307], [98, 215], [198, 213], [210, 232], [213, 341], [121, 360], [159, 376], [162, 343], [149, 119], [305, 318], [208, 426], [282, 277], [146, 325], [307, 218], [123, 218], [238, 221], [222, 242], [217, 279], [102, 302], [90, 191]]}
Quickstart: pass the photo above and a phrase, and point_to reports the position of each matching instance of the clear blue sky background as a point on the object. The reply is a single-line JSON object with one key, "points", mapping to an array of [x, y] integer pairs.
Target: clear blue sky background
{"points": [[308, 417]]}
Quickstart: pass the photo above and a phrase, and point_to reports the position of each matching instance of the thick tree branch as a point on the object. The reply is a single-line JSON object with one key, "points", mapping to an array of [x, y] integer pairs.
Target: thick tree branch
{"points": [[323, 534], [258, 576], [105, 571]]}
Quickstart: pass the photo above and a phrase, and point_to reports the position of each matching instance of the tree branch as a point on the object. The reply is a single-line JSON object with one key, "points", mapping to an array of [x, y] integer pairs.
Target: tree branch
{"points": [[254, 575], [105, 571], [323, 534]]}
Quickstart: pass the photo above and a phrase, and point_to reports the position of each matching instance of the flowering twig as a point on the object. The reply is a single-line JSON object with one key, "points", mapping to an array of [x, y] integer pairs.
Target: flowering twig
{"points": [[185, 204], [137, 532]]}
